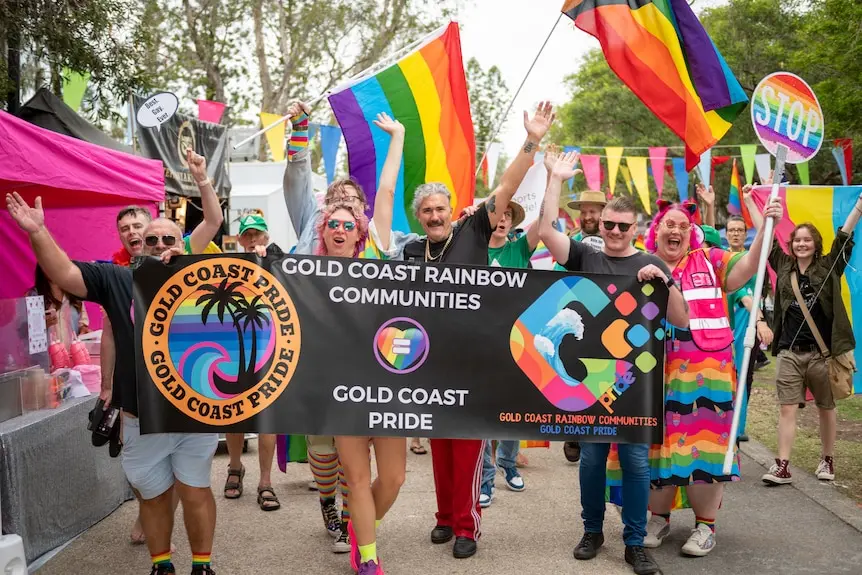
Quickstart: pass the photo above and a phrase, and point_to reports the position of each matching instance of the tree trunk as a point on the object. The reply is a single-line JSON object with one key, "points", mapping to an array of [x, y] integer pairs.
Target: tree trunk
{"points": [[263, 69], [13, 45]]}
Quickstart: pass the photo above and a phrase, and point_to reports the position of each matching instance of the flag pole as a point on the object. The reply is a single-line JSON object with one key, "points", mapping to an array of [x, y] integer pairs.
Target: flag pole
{"points": [[518, 91], [353, 78], [751, 330]]}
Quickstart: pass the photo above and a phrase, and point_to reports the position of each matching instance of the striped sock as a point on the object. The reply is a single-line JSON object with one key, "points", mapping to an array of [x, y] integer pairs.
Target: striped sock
{"points": [[162, 559], [708, 522], [345, 495], [299, 135], [324, 468], [200, 560]]}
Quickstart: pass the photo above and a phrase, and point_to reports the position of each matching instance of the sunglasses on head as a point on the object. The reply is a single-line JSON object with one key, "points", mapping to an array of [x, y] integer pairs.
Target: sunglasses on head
{"points": [[348, 226], [624, 226], [153, 241]]}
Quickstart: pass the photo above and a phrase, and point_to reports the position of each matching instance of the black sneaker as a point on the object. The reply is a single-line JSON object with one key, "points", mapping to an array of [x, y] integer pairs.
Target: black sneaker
{"points": [[640, 560], [203, 570], [464, 547], [589, 546], [441, 534], [331, 521], [572, 451], [163, 569]]}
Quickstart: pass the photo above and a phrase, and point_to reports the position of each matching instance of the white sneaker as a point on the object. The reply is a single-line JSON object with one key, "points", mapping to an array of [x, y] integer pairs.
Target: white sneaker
{"points": [[825, 471], [700, 542], [486, 497], [656, 530]]}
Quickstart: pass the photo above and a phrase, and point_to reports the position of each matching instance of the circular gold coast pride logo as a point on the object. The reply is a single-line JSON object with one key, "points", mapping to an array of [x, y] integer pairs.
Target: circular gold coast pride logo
{"points": [[221, 340]]}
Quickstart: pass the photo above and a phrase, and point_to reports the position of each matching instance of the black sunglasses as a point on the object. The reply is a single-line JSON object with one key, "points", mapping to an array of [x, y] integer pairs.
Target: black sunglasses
{"points": [[153, 241], [624, 227]]}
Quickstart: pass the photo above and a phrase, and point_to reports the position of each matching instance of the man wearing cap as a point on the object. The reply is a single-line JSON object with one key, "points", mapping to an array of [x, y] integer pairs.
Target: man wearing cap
{"points": [[503, 252], [590, 203], [254, 238]]}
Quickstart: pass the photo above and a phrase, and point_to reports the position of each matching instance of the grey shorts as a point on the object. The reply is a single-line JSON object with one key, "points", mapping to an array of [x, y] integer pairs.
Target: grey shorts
{"points": [[798, 371], [321, 444], [154, 461]]}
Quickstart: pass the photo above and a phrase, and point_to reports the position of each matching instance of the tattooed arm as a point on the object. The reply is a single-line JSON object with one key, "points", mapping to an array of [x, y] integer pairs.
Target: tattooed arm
{"points": [[536, 127]]}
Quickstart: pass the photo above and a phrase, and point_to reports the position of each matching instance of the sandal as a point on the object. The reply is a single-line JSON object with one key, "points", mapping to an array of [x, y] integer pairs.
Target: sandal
{"points": [[234, 485], [266, 501], [418, 449]]}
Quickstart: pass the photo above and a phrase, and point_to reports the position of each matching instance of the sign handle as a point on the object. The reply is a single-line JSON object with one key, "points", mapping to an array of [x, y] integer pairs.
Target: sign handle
{"points": [[751, 331]]}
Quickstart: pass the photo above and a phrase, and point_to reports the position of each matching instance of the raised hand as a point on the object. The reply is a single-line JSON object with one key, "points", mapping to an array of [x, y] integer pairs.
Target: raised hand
{"points": [[565, 166], [31, 220], [540, 123], [706, 194], [747, 189], [552, 153], [774, 210], [197, 166], [260, 251], [388, 125], [171, 252], [297, 108]]}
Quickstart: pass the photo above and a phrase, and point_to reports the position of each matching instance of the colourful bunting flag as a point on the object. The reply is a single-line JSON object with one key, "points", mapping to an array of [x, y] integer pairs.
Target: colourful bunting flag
{"points": [[681, 177], [614, 154], [660, 50], [427, 92], [330, 140], [748, 151], [74, 87], [704, 168], [827, 208], [657, 157], [275, 136], [764, 166], [566, 150], [846, 144], [802, 169], [592, 172], [627, 180], [638, 167], [210, 111]]}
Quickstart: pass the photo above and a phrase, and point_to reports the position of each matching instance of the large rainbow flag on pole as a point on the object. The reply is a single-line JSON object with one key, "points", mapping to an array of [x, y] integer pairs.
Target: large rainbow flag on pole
{"points": [[426, 90], [660, 51], [827, 208]]}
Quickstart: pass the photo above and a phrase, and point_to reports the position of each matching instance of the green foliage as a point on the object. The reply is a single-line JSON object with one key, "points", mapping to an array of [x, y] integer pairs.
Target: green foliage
{"points": [[819, 40]]}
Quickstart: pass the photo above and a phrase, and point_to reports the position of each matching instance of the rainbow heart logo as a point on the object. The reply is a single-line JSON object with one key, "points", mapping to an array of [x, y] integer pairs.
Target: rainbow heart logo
{"points": [[401, 345]]}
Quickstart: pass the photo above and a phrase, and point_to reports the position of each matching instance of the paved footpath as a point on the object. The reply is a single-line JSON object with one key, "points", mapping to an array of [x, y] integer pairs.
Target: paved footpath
{"points": [[779, 531]]}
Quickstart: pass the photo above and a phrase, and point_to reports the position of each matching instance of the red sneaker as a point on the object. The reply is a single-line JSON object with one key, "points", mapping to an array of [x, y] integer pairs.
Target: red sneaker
{"points": [[779, 473]]}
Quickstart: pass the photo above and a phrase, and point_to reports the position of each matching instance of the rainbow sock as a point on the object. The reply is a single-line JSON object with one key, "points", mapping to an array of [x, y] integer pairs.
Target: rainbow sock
{"points": [[298, 136], [200, 560], [162, 559], [708, 522], [368, 552]]}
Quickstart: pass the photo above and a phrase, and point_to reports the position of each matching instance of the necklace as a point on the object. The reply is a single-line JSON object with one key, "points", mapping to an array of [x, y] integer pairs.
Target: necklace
{"points": [[438, 256]]}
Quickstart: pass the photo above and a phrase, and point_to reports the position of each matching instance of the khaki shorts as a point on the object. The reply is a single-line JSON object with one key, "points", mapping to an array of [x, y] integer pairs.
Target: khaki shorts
{"points": [[321, 444], [798, 371]]}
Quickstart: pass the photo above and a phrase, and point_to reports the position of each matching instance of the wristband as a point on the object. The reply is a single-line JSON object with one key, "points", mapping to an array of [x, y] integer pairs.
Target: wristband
{"points": [[203, 183], [670, 283]]}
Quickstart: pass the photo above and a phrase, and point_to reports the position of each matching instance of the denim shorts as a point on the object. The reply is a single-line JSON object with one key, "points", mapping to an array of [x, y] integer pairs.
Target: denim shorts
{"points": [[152, 462]]}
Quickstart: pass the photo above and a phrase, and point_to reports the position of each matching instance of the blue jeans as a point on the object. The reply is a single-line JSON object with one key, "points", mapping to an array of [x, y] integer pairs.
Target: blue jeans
{"points": [[634, 461], [507, 451]]}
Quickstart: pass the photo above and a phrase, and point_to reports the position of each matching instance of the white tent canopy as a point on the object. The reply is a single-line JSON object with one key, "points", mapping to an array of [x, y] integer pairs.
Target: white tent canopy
{"points": [[258, 185]]}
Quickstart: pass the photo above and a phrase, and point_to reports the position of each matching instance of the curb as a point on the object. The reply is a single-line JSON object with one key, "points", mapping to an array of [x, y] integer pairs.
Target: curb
{"points": [[825, 495]]}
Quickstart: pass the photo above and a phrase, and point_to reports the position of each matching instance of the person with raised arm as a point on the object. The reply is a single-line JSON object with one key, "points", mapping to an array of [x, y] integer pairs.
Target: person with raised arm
{"points": [[801, 364]]}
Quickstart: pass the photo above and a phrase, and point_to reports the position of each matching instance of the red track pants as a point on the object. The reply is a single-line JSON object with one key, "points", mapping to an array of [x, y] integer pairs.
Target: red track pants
{"points": [[457, 478]]}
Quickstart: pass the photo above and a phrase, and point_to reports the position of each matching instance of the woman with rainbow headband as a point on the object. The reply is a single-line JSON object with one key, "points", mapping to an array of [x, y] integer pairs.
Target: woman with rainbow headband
{"points": [[340, 228], [700, 376]]}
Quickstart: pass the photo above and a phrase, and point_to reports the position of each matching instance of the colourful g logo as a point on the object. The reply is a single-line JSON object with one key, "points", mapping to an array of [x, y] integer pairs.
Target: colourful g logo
{"points": [[401, 345]]}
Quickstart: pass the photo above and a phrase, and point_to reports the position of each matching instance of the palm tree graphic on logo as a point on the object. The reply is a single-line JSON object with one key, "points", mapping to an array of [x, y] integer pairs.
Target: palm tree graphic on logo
{"points": [[244, 314]]}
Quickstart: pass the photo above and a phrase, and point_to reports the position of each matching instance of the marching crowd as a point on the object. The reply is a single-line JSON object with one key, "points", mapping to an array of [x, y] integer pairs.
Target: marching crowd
{"points": [[710, 295]]}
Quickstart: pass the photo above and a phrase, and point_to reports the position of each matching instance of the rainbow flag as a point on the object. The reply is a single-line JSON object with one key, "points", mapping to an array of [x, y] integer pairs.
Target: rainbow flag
{"points": [[827, 208], [735, 205], [427, 92], [660, 51]]}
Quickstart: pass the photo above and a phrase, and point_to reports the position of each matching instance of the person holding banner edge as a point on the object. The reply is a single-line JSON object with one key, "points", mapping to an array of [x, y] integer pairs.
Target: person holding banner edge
{"points": [[457, 463], [156, 464], [801, 364], [700, 376], [618, 226]]}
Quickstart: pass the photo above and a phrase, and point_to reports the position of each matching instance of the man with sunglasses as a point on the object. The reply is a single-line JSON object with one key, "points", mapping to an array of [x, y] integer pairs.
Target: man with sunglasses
{"points": [[618, 226]]}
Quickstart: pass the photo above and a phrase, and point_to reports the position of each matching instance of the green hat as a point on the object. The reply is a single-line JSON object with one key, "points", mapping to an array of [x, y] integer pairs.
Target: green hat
{"points": [[711, 236], [252, 222]]}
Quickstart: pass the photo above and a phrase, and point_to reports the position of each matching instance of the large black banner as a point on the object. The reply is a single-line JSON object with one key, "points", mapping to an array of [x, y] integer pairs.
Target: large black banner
{"points": [[169, 143], [332, 346]]}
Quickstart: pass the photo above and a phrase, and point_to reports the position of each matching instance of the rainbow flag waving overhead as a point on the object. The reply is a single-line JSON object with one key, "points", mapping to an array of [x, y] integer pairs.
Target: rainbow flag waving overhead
{"points": [[827, 208], [427, 92], [663, 54]]}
